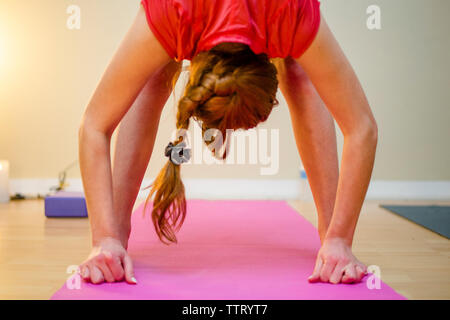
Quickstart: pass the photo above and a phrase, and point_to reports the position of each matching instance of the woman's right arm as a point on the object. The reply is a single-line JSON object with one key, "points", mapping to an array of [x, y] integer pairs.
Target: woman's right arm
{"points": [[139, 56]]}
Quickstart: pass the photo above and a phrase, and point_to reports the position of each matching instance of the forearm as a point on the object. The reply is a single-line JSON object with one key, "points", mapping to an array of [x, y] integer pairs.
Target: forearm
{"points": [[134, 143], [356, 169], [316, 143], [315, 136], [133, 149], [128, 172], [95, 166]]}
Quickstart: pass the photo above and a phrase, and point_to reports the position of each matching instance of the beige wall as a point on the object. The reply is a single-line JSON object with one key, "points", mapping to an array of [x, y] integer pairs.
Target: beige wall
{"points": [[48, 73]]}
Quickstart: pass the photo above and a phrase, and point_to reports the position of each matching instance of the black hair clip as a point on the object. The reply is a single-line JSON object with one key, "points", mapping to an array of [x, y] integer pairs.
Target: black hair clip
{"points": [[178, 154]]}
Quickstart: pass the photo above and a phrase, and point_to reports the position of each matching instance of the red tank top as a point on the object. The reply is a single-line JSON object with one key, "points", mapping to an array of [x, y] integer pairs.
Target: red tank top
{"points": [[279, 28]]}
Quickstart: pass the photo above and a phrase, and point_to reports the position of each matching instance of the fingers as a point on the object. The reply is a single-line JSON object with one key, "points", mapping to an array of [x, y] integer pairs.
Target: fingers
{"points": [[354, 273], [128, 267], [115, 266], [350, 274], [336, 276], [108, 262], [336, 263], [90, 273], [101, 268], [96, 275], [362, 267], [337, 273], [327, 270], [340, 272], [315, 277], [100, 263], [84, 272], [360, 272]]}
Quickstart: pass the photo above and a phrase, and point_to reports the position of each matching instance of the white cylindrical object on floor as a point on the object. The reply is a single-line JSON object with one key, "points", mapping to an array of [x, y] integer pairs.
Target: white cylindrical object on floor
{"points": [[4, 181]]}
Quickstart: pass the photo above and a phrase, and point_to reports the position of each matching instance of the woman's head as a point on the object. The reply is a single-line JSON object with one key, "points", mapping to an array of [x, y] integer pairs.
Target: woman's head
{"points": [[229, 87]]}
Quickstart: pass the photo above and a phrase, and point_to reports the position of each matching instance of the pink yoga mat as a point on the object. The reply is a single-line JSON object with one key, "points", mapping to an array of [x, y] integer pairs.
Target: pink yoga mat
{"points": [[227, 250]]}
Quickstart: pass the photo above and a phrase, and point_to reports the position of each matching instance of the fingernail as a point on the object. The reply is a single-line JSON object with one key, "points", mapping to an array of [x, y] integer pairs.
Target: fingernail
{"points": [[133, 279]]}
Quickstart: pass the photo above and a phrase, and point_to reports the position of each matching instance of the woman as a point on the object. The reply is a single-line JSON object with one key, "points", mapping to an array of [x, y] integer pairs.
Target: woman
{"points": [[232, 85]]}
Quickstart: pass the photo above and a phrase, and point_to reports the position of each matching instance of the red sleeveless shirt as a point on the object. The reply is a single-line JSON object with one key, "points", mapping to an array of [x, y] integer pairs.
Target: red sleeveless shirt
{"points": [[279, 28]]}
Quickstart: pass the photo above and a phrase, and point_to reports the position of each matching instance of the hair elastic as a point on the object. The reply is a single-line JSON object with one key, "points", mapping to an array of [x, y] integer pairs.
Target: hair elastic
{"points": [[179, 153]]}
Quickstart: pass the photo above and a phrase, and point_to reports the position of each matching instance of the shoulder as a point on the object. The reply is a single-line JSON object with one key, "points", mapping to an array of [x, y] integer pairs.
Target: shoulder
{"points": [[162, 21]]}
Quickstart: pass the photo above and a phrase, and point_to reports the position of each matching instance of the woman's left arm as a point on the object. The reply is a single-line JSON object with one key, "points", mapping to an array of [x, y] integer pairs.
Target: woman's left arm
{"points": [[340, 89]]}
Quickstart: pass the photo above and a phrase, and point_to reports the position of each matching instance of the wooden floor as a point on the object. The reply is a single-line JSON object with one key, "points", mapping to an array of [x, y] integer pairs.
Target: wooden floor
{"points": [[35, 252]]}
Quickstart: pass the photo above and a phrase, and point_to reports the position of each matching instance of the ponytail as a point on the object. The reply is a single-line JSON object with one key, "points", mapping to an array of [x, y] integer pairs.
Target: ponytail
{"points": [[169, 203], [229, 87]]}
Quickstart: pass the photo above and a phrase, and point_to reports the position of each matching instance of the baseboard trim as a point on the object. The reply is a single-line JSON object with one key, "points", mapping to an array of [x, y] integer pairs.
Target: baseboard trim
{"points": [[259, 188]]}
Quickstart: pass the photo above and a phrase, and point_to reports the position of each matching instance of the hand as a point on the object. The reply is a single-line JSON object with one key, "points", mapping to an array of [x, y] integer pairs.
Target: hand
{"points": [[336, 263], [108, 261]]}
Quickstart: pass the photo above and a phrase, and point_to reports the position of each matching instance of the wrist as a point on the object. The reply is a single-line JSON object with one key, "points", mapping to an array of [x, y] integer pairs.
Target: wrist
{"points": [[340, 232], [120, 232], [332, 238], [98, 239]]}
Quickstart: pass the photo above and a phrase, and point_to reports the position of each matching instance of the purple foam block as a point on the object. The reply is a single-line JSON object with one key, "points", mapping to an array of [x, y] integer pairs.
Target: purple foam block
{"points": [[66, 204]]}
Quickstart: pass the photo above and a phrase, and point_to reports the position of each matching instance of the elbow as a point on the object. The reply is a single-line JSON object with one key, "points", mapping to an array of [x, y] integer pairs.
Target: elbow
{"points": [[83, 131], [366, 132], [89, 128], [373, 132], [370, 132], [87, 134]]}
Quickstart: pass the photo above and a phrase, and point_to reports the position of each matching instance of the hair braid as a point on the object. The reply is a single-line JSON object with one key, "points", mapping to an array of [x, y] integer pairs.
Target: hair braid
{"points": [[229, 87]]}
